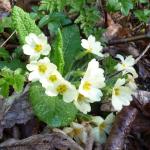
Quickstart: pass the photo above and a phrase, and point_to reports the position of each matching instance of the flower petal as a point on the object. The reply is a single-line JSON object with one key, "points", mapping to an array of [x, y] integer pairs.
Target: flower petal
{"points": [[85, 44], [83, 106], [120, 57]]}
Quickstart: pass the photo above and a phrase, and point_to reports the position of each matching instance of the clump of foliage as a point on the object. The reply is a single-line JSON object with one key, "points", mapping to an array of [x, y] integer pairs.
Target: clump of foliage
{"points": [[129, 5], [9, 78], [87, 15], [78, 64]]}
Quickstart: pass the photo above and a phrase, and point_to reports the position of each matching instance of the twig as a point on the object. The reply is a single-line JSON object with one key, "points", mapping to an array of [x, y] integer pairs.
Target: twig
{"points": [[7, 39], [129, 39], [121, 128], [90, 140], [101, 6], [137, 27], [144, 52]]}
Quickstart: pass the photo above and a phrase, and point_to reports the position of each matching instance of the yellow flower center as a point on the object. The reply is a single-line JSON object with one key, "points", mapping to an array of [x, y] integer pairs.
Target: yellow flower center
{"points": [[102, 126], [38, 48], [77, 131], [124, 65], [87, 86], [81, 98], [42, 68], [52, 78], [117, 91], [61, 88]]}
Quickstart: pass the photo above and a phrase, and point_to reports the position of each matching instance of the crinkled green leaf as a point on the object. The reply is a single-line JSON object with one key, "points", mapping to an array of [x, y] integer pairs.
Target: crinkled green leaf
{"points": [[51, 110], [11, 78], [4, 88], [57, 55], [18, 81], [71, 44], [23, 24]]}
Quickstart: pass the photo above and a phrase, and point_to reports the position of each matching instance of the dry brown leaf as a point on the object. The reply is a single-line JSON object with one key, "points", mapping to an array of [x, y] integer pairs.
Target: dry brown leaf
{"points": [[5, 5], [121, 128], [15, 109], [52, 141]]}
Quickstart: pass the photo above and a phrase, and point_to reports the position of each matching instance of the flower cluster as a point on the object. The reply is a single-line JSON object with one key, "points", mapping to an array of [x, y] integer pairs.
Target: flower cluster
{"points": [[89, 90], [46, 73], [124, 88], [98, 127]]}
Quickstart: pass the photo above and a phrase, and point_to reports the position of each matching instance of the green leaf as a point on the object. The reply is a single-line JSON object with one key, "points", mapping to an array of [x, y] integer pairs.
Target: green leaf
{"points": [[143, 15], [13, 65], [113, 5], [23, 24], [19, 80], [52, 110], [5, 22], [126, 5], [57, 55], [88, 19], [109, 65], [52, 5], [123, 5], [72, 45], [55, 20], [4, 54], [11, 78], [4, 89]]}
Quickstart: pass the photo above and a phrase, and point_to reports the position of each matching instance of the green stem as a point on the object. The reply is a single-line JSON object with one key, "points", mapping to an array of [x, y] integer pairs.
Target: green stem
{"points": [[81, 55]]}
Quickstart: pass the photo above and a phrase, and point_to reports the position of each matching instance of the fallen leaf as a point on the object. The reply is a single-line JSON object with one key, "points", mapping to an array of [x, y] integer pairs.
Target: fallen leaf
{"points": [[121, 128], [14, 110], [52, 141]]}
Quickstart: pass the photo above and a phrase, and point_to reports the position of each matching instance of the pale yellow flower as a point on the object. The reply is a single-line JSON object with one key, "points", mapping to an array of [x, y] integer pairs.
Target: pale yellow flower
{"points": [[131, 82], [102, 127], [77, 132], [36, 45], [40, 68], [92, 46], [121, 95], [64, 88], [92, 81], [126, 65]]}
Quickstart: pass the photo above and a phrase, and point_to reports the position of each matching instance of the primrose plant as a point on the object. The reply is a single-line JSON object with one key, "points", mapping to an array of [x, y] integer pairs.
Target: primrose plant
{"points": [[89, 90], [56, 96]]}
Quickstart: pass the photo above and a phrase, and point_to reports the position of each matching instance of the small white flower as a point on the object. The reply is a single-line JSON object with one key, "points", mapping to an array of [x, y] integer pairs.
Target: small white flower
{"points": [[64, 88], [77, 131], [121, 95], [126, 65], [92, 81], [92, 46], [103, 127], [36, 46], [40, 68], [51, 78], [82, 103], [131, 82]]}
